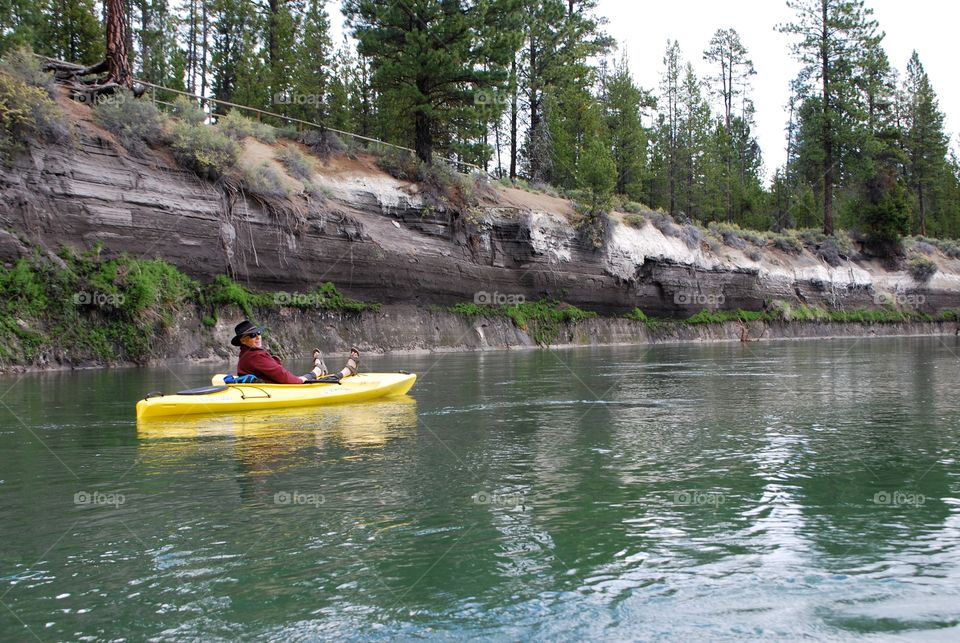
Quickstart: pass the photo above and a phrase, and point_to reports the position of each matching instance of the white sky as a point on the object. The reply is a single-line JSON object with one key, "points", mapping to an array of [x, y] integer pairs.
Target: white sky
{"points": [[643, 27]]}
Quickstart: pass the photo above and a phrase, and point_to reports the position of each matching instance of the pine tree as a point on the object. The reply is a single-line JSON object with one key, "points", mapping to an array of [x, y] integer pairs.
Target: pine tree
{"points": [[70, 31], [560, 37], [925, 143], [731, 85], [279, 47], [833, 34], [156, 39], [435, 57], [624, 102], [311, 85], [22, 23], [232, 25], [668, 129], [694, 134]]}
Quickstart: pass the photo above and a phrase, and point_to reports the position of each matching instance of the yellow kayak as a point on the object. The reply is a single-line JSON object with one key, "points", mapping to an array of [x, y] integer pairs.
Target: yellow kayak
{"points": [[231, 398]]}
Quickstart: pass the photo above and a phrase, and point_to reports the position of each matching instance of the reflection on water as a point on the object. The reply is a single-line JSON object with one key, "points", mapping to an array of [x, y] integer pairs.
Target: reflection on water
{"points": [[790, 490]]}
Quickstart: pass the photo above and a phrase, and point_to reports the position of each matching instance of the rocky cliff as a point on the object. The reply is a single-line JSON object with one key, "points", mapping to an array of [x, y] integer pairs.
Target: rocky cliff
{"points": [[380, 240]]}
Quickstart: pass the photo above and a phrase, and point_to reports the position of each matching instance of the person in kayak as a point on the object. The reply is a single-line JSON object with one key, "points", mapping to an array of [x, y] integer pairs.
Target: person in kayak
{"points": [[254, 360]]}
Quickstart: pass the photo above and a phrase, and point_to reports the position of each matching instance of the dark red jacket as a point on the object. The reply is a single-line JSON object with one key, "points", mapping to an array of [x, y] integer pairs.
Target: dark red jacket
{"points": [[256, 361]]}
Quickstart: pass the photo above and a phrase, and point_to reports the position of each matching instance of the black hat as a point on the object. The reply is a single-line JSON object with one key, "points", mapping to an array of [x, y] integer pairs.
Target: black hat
{"points": [[245, 327]]}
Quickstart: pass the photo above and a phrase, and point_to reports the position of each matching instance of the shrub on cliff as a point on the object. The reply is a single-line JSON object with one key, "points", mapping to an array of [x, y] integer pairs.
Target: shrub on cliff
{"points": [[264, 180], [26, 113], [921, 268], [237, 126], [322, 143], [188, 111], [203, 149], [664, 223], [691, 235], [297, 163], [136, 123], [788, 242], [22, 64], [729, 233], [441, 184]]}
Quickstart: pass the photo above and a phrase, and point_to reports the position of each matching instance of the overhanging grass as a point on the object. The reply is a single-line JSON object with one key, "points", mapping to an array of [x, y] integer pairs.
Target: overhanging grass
{"points": [[542, 319]]}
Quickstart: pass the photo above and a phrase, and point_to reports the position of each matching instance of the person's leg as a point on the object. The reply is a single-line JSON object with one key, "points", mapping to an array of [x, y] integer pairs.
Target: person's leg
{"points": [[319, 368], [353, 363]]}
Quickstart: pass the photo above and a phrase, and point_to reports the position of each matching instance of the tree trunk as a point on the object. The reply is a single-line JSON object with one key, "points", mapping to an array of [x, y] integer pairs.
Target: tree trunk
{"points": [[192, 50], [203, 54], [513, 122], [923, 211], [827, 129], [424, 138], [534, 113], [118, 60]]}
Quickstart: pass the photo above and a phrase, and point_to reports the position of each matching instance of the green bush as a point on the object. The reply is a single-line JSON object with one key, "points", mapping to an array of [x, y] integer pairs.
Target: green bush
{"points": [[921, 268], [632, 207], [811, 237], [440, 183], [297, 163], [266, 181], [400, 165], [635, 220], [664, 223], [322, 143], [203, 149], [237, 126], [26, 113], [923, 246], [691, 235], [729, 233], [844, 244], [188, 111], [638, 315], [21, 63], [224, 291], [756, 238], [317, 190], [788, 242], [136, 123]]}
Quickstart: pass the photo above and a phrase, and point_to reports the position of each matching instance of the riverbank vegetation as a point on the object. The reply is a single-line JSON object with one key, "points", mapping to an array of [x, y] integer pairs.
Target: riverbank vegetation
{"points": [[79, 307], [542, 319]]}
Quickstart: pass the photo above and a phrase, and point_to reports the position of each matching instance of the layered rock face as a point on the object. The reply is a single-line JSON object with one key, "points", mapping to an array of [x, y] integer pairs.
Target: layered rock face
{"points": [[379, 239]]}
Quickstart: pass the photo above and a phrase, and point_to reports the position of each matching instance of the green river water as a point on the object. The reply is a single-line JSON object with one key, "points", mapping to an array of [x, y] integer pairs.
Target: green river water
{"points": [[782, 490]]}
